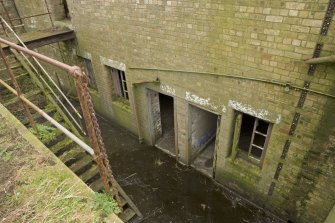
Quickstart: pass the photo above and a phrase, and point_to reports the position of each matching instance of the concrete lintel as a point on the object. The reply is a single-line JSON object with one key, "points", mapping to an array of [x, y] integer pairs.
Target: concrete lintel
{"points": [[113, 63]]}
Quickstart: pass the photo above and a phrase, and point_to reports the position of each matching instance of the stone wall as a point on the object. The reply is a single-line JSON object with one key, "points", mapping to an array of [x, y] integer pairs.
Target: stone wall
{"points": [[227, 57]]}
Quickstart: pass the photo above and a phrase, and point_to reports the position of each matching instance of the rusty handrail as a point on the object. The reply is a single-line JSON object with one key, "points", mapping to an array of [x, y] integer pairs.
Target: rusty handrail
{"points": [[94, 133], [51, 80], [49, 118], [70, 69]]}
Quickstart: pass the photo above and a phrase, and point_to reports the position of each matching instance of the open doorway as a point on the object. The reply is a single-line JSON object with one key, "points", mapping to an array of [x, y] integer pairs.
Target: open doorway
{"points": [[162, 109], [203, 131]]}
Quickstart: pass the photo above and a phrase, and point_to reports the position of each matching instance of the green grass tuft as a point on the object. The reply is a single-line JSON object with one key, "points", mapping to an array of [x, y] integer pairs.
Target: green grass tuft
{"points": [[105, 203], [44, 132]]}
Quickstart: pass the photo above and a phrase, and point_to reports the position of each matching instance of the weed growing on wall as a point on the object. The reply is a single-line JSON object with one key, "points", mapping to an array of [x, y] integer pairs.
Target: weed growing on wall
{"points": [[105, 203]]}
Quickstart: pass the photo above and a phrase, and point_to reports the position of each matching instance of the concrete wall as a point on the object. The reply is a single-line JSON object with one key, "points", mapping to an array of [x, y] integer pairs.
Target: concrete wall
{"points": [[35, 7], [221, 45]]}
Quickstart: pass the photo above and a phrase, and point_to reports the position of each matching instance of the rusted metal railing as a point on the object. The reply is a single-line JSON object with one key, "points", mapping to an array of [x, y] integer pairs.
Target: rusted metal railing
{"points": [[49, 118], [49, 78], [18, 89], [94, 133]]}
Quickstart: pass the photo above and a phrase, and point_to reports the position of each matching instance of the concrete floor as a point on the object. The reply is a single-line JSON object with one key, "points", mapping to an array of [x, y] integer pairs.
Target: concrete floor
{"points": [[167, 142], [204, 161]]}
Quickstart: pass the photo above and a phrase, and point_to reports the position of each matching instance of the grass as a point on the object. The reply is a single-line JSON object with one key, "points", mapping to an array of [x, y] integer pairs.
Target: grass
{"points": [[39, 188], [5, 155], [49, 195], [106, 203], [44, 132]]}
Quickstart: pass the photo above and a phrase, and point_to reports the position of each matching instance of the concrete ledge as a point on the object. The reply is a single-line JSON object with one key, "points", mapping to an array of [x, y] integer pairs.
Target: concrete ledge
{"points": [[39, 181]]}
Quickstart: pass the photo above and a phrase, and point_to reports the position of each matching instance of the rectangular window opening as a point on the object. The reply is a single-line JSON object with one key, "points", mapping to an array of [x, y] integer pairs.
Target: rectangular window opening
{"points": [[119, 82], [88, 69], [253, 137]]}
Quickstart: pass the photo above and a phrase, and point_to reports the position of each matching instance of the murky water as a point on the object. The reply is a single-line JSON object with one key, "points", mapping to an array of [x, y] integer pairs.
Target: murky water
{"points": [[166, 191]]}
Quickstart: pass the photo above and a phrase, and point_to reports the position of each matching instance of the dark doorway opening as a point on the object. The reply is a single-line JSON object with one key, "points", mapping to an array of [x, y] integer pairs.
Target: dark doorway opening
{"points": [[203, 129], [162, 107]]}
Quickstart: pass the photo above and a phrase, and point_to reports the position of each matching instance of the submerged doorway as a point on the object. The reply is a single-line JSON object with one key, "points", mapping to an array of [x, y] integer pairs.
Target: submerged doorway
{"points": [[203, 130], [162, 109]]}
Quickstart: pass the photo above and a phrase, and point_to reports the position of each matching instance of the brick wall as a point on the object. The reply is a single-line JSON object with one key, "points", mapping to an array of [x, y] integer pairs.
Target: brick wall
{"points": [[238, 55]]}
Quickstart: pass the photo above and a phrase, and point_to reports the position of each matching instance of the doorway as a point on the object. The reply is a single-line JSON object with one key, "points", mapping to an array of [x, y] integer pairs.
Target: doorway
{"points": [[203, 130], [162, 109]]}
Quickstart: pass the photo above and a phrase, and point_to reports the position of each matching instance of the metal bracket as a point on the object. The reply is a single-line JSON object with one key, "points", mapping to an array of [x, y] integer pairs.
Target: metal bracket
{"points": [[294, 123], [328, 18], [279, 168], [285, 149]]}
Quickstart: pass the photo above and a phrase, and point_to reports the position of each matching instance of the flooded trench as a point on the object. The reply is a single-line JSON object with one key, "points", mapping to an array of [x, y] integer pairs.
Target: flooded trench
{"points": [[166, 191]]}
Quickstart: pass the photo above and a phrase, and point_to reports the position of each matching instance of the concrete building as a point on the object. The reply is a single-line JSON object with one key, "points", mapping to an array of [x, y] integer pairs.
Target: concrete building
{"points": [[220, 85]]}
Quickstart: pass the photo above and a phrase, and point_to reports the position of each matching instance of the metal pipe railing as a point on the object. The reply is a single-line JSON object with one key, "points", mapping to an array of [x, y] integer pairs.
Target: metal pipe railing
{"points": [[50, 119], [41, 67], [94, 133], [53, 93]]}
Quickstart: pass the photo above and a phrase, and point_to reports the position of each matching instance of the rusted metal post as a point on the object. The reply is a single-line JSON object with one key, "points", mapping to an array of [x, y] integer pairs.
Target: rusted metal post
{"points": [[94, 133], [18, 89]]}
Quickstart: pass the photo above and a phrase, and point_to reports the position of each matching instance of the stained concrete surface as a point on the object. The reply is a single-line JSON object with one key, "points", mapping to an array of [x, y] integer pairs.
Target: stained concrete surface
{"points": [[167, 141], [166, 191], [204, 161]]}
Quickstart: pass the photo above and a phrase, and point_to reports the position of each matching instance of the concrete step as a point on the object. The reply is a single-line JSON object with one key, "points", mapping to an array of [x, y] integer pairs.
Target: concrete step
{"points": [[17, 77], [90, 173], [82, 163], [74, 159], [97, 185], [68, 155], [26, 95], [62, 145], [127, 215]]}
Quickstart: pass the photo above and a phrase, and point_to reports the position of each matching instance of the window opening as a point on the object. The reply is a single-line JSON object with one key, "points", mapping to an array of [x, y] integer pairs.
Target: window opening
{"points": [[88, 68], [119, 82], [253, 136]]}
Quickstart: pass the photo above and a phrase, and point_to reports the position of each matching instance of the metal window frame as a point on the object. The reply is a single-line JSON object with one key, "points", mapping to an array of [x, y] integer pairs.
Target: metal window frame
{"points": [[123, 84], [247, 155], [119, 82]]}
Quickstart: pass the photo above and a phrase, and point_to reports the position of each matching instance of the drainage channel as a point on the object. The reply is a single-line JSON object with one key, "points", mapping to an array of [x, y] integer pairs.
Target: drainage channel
{"points": [[166, 191]]}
